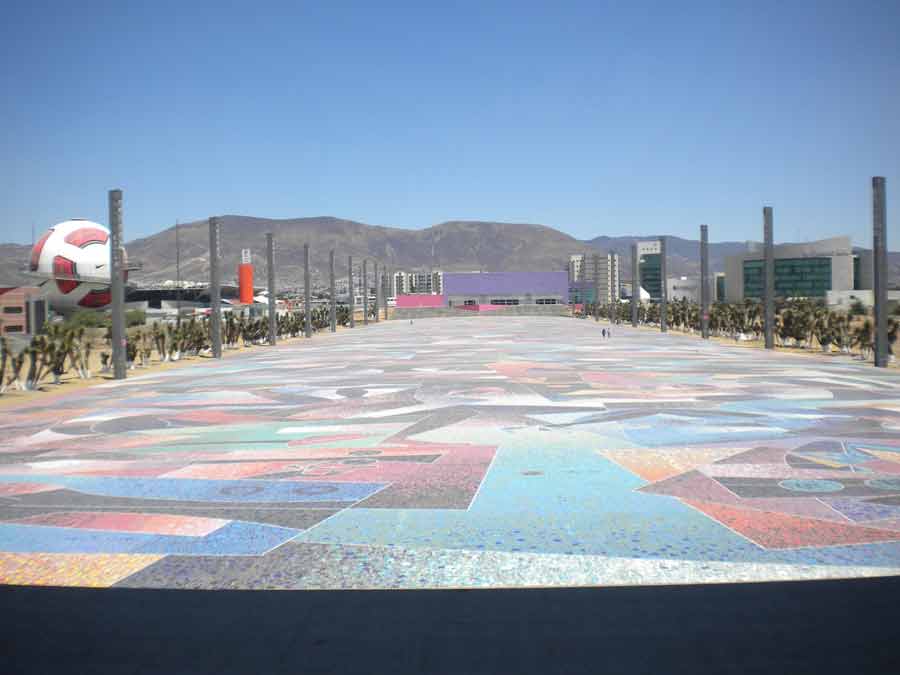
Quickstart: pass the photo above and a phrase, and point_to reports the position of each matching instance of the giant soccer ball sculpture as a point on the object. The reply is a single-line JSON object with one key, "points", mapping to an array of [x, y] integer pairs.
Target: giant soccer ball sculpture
{"points": [[74, 257]]}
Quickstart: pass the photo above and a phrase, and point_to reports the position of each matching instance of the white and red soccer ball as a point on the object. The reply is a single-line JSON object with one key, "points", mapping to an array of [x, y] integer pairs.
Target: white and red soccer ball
{"points": [[74, 257]]}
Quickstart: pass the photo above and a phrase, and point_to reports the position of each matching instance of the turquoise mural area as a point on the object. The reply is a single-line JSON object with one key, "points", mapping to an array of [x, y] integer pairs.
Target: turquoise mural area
{"points": [[464, 452]]}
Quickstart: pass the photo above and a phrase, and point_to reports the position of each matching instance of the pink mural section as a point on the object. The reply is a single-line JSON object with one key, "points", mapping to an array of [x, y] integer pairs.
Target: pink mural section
{"points": [[420, 301]]}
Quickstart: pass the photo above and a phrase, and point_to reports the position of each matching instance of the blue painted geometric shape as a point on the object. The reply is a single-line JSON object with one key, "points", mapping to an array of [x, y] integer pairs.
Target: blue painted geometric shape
{"points": [[235, 538], [811, 485]]}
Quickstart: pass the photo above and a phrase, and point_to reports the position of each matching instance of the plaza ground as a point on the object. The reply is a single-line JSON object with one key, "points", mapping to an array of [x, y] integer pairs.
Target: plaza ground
{"points": [[475, 452]]}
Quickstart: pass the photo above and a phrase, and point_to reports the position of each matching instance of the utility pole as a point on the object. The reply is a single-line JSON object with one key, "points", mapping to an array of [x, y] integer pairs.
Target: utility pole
{"points": [[377, 290], [178, 273], [307, 314], [635, 285], [215, 291], [270, 264], [350, 287], [879, 261], [768, 279], [332, 319], [664, 288], [704, 282], [365, 292], [117, 285], [387, 278]]}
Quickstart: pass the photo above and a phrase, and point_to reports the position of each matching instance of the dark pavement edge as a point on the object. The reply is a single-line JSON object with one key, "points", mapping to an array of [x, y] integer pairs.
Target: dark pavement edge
{"points": [[818, 627]]}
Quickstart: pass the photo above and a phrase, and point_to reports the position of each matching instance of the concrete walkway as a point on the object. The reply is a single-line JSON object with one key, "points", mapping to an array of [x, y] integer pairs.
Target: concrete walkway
{"points": [[476, 452]]}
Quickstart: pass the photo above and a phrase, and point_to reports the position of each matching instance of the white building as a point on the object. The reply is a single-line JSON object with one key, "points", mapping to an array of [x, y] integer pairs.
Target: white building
{"points": [[599, 271]]}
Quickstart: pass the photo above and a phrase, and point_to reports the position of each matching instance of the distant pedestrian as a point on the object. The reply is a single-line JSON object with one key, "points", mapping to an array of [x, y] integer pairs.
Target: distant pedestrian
{"points": [[609, 334], [604, 333]]}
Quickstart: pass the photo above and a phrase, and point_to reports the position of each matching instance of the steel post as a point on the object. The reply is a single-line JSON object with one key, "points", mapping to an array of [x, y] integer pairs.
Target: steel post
{"points": [[704, 282], [215, 290], [352, 300], [365, 292], [270, 263], [332, 311], [664, 288], [117, 285], [879, 261], [307, 304], [768, 279], [635, 285]]}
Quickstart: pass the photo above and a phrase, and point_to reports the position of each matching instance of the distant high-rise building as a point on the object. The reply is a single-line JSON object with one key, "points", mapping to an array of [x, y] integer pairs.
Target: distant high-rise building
{"points": [[594, 278], [409, 283], [576, 268], [650, 268]]}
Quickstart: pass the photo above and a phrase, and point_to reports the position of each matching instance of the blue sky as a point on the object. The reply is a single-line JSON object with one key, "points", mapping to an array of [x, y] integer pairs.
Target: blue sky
{"points": [[592, 117]]}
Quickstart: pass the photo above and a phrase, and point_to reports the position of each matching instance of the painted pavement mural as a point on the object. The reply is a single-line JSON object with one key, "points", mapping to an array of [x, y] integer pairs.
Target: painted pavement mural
{"points": [[483, 451]]}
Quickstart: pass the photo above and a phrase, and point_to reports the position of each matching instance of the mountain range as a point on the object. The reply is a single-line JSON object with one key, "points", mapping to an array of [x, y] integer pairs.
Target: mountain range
{"points": [[449, 246]]}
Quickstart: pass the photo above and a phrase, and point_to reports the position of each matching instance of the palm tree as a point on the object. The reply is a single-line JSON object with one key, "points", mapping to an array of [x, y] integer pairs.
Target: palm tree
{"points": [[16, 364], [4, 359], [863, 337]]}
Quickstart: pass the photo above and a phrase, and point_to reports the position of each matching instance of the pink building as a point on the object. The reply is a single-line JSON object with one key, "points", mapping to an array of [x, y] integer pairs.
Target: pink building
{"points": [[420, 301]]}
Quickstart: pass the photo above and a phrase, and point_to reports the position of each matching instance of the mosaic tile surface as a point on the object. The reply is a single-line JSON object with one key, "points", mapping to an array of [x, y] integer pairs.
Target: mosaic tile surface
{"points": [[465, 452]]}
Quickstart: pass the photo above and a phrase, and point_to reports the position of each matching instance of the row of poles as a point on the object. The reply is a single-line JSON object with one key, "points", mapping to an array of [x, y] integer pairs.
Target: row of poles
{"points": [[880, 277], [215, 327], [117, 288], [117, 282]]}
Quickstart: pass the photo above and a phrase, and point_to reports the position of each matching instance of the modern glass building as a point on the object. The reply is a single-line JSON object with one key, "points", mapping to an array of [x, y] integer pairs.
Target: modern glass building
{"points": [[720, 287], [806, 270], [794, 278], [650, 268]]}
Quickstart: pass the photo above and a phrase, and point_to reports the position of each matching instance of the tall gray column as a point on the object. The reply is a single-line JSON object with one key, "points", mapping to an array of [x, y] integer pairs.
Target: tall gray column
{"points": [[307, 304], [117, 285], [768, 279], [365, 291], [332, 305], [270, 264], [879, 260], [635, 285], [215, 290], [350, 286], [387, 278], [704, 282], [377, 292], [596, 262], [664, 288]]}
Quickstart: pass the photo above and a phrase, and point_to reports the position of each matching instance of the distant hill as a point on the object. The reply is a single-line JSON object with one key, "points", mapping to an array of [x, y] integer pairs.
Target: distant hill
{"points": [[450, 246]]}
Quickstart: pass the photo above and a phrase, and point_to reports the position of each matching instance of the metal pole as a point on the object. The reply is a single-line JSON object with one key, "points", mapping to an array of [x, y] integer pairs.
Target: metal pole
{"points": [[704, 282], [178, 272], [596, 261], [386, 279], [768, 279], [117, 285], [270, 264], [365, 292], [333, 304], [350, 286], [215, 297], [664, 288], [307, 305], [635, 285], [879, 261], [377, 291]]}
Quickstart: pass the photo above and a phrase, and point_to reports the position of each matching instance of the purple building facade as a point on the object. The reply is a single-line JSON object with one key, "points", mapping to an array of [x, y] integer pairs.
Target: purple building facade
{"points": [[506, 288]]}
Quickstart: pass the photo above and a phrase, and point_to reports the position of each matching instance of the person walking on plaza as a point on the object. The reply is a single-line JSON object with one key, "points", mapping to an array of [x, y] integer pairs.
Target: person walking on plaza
{"points": [[604, 333]]}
